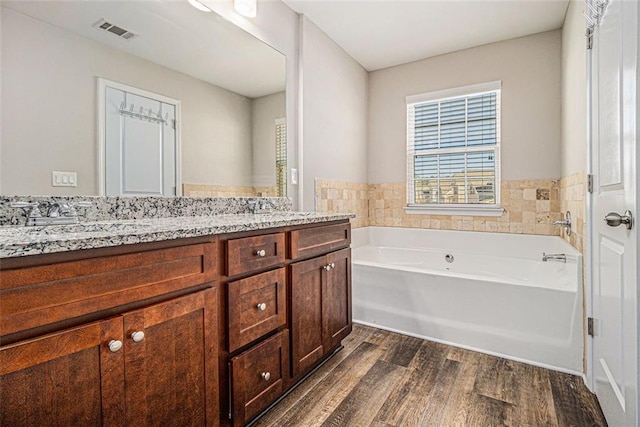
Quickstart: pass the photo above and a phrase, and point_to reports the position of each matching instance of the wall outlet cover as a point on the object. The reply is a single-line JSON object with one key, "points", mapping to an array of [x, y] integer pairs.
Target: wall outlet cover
{"points": [[64, 179]]}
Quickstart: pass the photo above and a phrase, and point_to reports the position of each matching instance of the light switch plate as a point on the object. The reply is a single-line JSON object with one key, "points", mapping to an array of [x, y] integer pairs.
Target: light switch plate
{"points": [[294, 175], [64, 179]]}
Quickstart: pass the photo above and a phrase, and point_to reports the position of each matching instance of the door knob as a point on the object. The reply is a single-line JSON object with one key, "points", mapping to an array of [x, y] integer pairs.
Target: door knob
{"points": [[614, 219]]}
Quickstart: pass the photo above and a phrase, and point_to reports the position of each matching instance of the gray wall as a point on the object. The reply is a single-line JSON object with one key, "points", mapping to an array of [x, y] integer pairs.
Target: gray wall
{"points": [[49, 111], [529, 68], [334, 113], [264, 112], [574, 91]]}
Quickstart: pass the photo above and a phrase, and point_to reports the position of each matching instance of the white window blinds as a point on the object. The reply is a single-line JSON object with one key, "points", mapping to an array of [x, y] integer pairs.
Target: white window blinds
{"points": [[453, 148], [281, 158]]}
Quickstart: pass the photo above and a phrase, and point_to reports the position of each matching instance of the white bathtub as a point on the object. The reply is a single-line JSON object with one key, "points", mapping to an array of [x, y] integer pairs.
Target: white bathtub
{"points": [[497, 296]]}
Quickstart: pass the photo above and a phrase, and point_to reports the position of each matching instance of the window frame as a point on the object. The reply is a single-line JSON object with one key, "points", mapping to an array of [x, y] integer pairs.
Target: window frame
{"points": [[461, 209]]}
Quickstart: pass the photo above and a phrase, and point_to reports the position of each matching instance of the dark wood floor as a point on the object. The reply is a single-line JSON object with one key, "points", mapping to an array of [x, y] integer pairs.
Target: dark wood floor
{"points": [[384, 379]]}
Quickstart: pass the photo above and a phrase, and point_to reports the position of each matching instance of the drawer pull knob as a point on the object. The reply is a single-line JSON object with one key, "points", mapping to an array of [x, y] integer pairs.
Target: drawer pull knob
{"points": [[328, 267], [262, 306], [115, 345], [261, 253], [137, 336], [266, 376]]}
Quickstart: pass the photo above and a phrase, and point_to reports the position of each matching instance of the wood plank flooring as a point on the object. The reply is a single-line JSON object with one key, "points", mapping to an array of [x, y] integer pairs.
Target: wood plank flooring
{"points": [[383, 379]]}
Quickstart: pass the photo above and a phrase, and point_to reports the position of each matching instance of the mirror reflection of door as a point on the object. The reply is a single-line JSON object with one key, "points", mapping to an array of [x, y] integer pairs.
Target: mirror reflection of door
{"points": [[140, 143]]}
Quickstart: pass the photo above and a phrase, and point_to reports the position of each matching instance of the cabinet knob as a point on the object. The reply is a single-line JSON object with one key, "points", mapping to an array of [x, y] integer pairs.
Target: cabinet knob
{"points": [[137, 336], [332, 265], [115, 345], [328, 267], [262, 306], [266, 376], [261, 253]]}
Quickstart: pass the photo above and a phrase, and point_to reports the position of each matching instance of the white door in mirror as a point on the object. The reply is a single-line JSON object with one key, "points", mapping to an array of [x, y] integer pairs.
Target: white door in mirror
{"points": [[140, 144]]}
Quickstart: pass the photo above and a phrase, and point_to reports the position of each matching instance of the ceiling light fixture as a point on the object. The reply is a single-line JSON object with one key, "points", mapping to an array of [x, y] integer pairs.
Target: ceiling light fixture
{"points": [[246, 8], [199, 6]]}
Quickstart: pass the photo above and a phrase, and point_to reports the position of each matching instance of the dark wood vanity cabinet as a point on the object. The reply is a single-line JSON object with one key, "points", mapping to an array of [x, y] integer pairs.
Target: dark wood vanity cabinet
{"points": [[64, 379], [197, 331], [150, 359], [282, 317]]}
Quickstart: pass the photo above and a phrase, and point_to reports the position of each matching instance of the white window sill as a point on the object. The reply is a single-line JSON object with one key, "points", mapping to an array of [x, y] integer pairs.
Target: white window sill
{"points": [[454, 210]]}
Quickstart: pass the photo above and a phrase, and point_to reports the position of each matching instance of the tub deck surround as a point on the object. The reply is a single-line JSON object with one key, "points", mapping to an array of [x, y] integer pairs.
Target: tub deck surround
{"points": [[496, 296], [16, 241]]}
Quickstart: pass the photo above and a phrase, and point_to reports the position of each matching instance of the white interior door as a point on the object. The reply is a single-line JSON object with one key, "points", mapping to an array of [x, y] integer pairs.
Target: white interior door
{"points": [[140, 149], [614, 79]]}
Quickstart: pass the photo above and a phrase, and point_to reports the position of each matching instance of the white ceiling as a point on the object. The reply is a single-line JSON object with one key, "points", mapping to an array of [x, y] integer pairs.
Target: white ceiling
{"points": [[173, 34], [383, 33]]}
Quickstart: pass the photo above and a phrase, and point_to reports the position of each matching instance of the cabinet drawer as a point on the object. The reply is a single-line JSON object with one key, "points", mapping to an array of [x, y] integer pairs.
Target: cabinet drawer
{"points": [[258, 376], [36, 296], [254, 253], [319, 240], [256, 305]]}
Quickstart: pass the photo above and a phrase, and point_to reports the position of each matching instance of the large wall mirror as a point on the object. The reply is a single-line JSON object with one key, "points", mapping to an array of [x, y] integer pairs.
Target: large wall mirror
{"points": [[95, 88]]}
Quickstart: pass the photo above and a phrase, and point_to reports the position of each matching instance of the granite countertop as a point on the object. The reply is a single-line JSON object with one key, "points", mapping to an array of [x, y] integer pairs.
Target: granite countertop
{"points": [[16, 241]]}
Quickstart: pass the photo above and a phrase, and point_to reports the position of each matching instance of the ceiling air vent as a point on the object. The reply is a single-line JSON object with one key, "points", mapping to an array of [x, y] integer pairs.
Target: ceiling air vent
{"points": [[103, 24]]}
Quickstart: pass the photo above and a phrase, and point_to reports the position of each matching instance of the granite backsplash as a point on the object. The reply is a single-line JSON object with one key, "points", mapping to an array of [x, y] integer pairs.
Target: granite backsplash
{"points": [[123, 208]]}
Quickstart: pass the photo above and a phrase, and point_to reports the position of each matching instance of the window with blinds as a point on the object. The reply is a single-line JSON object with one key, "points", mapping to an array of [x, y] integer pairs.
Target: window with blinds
{"points": [[453, 147], [281, 158]]}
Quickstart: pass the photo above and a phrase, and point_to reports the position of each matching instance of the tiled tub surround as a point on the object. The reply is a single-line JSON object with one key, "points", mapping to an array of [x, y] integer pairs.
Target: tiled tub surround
{"points": [[20, 240], [572, 198], [209, 190], [344, 197], [127, 208], [529, 208]]}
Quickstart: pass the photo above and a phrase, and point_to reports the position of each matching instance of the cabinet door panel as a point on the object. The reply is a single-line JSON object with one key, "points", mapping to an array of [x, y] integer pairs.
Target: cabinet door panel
{"points": [[336, 303], [67, 378], [171, 375], [306, 313]]}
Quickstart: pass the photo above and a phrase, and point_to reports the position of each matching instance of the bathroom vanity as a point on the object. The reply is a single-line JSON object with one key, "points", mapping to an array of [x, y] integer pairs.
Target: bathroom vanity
{"points": [[207, 319]]}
